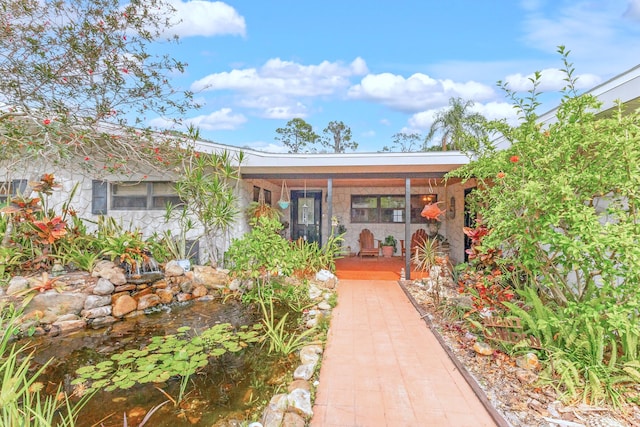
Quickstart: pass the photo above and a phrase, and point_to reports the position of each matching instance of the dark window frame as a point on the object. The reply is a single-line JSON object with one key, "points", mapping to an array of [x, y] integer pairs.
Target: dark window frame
{"points": [[149, 201], [10, 189], [388, 214]]}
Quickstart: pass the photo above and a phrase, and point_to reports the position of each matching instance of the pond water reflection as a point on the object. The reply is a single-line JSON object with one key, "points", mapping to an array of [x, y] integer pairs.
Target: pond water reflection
{"points": [[230, 386]]}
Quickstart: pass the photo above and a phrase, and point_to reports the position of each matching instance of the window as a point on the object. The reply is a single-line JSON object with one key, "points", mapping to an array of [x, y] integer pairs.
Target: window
{"points": [[266, 195], [9, 189], [143, 195], [388, 208]]}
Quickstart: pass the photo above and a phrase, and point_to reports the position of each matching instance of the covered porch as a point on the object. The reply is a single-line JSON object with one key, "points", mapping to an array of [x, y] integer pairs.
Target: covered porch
{"points": [[381, 192]]}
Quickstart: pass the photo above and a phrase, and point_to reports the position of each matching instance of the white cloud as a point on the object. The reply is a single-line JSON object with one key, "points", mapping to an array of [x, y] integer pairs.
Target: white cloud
{"points": [[551, 79], [285, 78], [585, 27], [421, 122], [222, 119], [269, 147], [275, 88], [206, 18], [417, 92]]}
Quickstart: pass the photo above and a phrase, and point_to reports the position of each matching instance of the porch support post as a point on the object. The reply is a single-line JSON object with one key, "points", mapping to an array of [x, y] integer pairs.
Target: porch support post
{"points": [[407, 228], [329, 205]]}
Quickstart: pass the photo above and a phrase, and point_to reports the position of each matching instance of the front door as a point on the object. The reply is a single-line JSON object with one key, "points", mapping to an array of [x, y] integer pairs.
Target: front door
{"points": [[469, 221], [306, 215]]}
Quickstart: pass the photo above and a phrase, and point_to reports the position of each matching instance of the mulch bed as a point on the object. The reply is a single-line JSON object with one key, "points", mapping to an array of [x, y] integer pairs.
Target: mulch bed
{"points": [[513, 392]]}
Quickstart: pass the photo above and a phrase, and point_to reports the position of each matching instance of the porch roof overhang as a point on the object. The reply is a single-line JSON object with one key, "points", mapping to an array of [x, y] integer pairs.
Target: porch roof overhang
{"points": [[345, 169], [352, 169]]}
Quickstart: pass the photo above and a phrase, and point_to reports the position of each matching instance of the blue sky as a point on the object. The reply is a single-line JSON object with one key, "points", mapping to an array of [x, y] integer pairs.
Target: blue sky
{"points": [[384, 67]]}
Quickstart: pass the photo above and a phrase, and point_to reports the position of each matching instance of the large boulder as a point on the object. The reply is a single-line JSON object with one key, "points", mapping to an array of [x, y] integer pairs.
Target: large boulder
{"points": [[212, 278], [58, 303]]}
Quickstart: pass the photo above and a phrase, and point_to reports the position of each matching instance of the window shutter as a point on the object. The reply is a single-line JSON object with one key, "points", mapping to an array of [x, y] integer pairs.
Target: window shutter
{"points": [[99, 197]]}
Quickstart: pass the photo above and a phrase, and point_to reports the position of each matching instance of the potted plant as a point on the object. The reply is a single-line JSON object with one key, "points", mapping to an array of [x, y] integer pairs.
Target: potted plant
{"points": [[389, 246]]}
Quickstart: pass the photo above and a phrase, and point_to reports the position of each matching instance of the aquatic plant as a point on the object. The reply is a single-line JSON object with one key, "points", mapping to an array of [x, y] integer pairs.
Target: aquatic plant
{"points": [[166, 356]]}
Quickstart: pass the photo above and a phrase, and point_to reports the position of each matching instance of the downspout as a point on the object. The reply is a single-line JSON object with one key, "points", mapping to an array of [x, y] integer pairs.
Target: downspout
{"points": [[330, 206], [407, 228]]}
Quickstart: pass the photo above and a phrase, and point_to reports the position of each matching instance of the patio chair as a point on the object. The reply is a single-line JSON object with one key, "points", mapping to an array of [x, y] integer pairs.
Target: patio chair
{"points": [[417, 239], [368, 244]]}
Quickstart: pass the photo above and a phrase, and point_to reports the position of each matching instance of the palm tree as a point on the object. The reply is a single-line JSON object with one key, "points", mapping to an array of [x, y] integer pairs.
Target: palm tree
{"points": [[456, 123]]}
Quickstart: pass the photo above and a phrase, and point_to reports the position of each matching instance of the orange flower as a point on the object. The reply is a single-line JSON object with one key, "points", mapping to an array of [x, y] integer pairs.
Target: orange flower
{"points": [[500, 175], [432, 211], [514, 159]]}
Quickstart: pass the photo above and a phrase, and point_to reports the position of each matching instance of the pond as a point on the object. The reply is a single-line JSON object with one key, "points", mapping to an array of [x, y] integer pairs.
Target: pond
{"points": [[231, 386]]}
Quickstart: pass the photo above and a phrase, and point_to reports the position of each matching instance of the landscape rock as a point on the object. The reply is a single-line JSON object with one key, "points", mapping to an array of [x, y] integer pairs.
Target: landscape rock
{"points": [[173, 269], [274, 412], [103, 287], [65, 326], [323, 305], [96, 312], [199, 291], [148, 301], [310, 353], [304, 372], [125, 288], [529, 361], [187, 286], [124, 305], [483, 348], [182, 297], [57, 302], [109, 271], [95, 301], [299, 401], [165, 295], [303, 384], [100, 322], [291, 419], [17, 284], [210, 277]]}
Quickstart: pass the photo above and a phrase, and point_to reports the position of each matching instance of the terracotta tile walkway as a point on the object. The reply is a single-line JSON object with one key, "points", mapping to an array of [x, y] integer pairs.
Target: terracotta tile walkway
{"points": [[382, 366]]}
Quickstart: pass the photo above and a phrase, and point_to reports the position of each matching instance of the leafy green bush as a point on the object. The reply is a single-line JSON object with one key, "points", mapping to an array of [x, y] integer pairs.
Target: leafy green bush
{"points": [[560, 205]]}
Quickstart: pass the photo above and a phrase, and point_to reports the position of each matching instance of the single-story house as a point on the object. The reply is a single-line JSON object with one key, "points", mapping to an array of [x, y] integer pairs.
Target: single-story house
{"points": [[382, 192]]}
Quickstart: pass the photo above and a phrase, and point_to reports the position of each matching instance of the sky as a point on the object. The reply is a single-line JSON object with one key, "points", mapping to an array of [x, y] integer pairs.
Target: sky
{"points": [[385, 67]]}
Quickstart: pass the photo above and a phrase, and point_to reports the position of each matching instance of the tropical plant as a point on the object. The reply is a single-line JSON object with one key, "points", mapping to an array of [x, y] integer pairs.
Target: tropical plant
{"points": [[261, 252], [570, 234], [280, 339], [260, 209], [177, 245], [208, 187], [561, 254], [427, 254], [22, 398], [457, 125]]}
